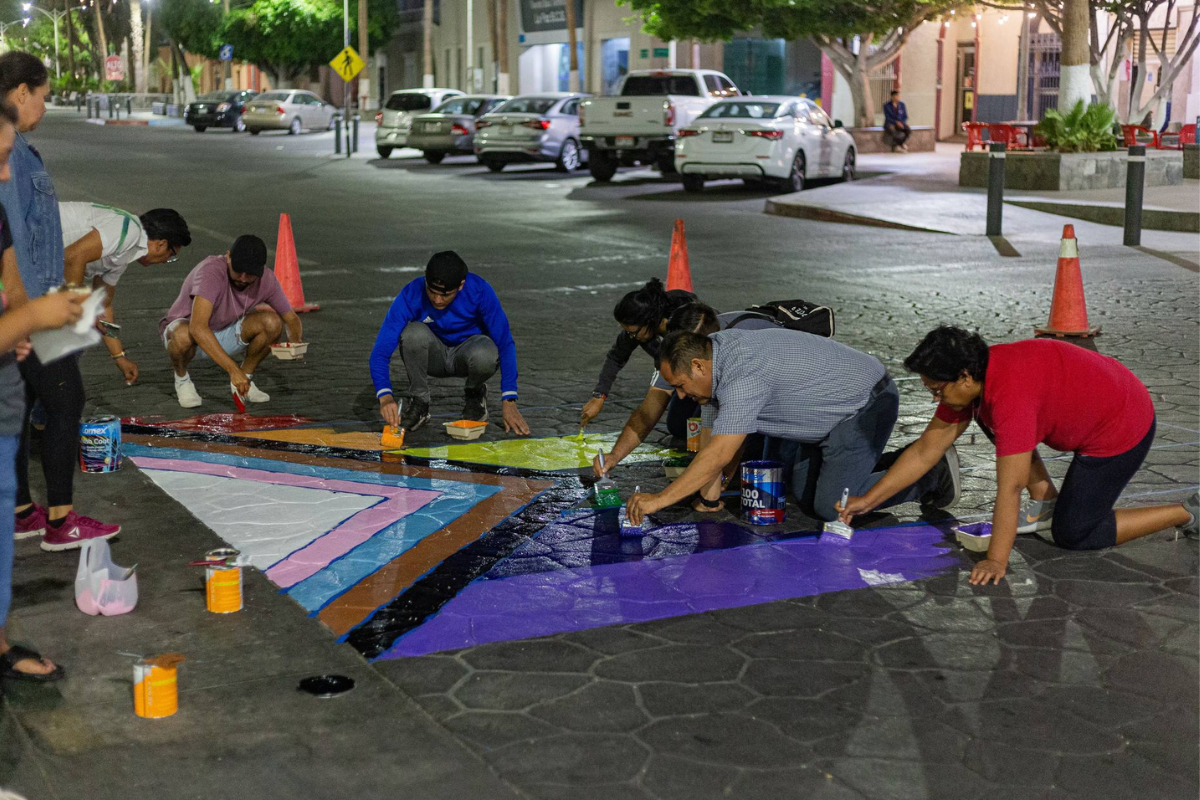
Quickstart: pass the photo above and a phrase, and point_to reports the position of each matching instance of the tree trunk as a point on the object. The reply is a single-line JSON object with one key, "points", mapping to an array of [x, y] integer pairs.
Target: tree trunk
{"points": [[364, 45], [139, 46], [572, 47], [71, 42], [427, 25], [100, 35], [1075, 80], [502, 36]]}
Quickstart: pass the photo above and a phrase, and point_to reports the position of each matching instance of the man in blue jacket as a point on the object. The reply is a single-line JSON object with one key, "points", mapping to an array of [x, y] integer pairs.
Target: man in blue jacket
{"points": [[448, 324], [895, 122]]}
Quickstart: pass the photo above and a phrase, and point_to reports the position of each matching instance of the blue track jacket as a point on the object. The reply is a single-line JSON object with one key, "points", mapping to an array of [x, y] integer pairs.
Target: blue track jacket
{"points": [[475, 310]]}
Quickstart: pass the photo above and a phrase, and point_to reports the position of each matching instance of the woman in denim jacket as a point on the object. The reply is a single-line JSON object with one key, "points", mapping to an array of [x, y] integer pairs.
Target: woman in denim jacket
{"points": [[32, 210]]}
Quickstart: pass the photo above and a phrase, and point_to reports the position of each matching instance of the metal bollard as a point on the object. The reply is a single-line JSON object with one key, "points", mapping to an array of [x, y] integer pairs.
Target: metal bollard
{"points": [[348, 150], [995, 205], [354, 136], [110, 109], [129, 106], [337, 136], [1135, 183], [79, 104]]}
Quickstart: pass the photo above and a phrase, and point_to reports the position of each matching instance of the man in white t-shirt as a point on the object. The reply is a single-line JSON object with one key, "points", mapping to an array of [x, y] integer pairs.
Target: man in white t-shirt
{"points": [[101, 241]]}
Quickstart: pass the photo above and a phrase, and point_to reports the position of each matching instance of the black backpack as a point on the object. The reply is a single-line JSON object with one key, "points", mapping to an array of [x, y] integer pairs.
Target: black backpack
{"points": [[795, 315]]}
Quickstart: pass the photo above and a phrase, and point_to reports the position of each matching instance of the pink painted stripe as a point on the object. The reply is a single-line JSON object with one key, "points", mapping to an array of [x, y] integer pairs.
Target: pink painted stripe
{"points": [[398, 502]]}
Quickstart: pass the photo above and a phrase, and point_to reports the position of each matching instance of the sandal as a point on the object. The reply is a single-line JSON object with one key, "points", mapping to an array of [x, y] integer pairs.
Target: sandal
{"points": [[17, 653]]}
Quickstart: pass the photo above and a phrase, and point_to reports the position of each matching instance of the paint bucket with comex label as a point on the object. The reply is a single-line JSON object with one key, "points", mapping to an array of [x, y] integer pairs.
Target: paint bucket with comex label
{"points": [[764, 499], [100, 444], [155, 686]]}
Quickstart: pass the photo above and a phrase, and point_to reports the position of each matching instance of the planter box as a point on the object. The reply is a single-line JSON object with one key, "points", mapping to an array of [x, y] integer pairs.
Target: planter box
{"points": [[1191, 161], [872, 140], [1070, 172]]}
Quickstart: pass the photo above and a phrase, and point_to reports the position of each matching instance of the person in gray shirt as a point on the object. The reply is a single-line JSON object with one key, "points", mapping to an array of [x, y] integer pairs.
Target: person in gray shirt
{"points": [[827, 409]]}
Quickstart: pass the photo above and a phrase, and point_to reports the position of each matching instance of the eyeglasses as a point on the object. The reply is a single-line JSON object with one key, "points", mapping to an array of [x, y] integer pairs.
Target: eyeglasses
{"points": [[937, 389], [174, 255]]}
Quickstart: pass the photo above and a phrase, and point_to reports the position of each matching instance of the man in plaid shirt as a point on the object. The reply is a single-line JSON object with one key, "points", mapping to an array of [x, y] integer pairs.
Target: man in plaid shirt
{"points": [[826, 409]]}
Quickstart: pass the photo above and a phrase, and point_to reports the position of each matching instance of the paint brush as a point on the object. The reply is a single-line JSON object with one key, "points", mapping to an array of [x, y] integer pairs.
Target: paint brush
{"points": [[238, 401]]}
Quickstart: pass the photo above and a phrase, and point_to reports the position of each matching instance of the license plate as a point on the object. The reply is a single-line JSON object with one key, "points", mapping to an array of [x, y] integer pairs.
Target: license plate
{"points": [[431, 127], [722, 136], [625, 141]]}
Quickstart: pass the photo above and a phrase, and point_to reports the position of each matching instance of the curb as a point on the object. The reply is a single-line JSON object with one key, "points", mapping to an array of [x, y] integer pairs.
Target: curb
{"points": [[1155, 219], [822, 214]]}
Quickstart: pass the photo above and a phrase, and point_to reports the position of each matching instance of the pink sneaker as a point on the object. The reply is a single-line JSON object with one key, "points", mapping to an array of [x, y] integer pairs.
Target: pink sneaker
{"points": [[74, 531], [32, 525]]}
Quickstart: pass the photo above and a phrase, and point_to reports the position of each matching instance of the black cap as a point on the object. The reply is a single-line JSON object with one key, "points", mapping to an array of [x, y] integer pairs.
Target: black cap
{"points": [[445, 272], [248, 256]]}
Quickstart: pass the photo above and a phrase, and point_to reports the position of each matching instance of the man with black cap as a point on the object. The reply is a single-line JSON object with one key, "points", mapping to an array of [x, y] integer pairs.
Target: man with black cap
{"points": [[448, 324], [216, 312]]}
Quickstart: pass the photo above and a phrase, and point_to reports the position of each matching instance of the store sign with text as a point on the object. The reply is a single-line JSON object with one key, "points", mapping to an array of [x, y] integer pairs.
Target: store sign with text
{"points": [[548, 15]]}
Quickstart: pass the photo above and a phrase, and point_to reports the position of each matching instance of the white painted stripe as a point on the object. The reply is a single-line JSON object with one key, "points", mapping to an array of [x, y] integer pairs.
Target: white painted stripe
{"points": [[1069, 249], [996, 155], [1137, 159]]}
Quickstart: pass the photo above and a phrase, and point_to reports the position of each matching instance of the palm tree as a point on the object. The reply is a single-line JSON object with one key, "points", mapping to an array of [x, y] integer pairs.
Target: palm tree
{"points": [[427, 80]]}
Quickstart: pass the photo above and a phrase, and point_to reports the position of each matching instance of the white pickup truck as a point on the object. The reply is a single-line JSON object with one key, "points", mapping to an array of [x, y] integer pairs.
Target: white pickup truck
{"points": [[638, 125]]}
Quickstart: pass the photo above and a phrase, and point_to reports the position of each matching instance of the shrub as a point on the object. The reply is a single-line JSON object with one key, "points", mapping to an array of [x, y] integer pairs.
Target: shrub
{"points": [[1082, 130]]}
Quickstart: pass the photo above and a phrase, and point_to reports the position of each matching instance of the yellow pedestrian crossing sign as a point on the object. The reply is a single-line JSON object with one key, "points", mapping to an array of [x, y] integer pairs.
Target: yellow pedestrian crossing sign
{"points": [[347, 64]]}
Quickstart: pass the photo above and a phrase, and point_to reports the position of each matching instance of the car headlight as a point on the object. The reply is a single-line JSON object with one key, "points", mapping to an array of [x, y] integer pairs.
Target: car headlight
{"points": [[221, 109]]}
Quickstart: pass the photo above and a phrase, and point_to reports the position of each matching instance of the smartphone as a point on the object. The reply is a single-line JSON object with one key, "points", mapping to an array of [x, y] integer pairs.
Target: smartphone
{"points": [[110, 329]]}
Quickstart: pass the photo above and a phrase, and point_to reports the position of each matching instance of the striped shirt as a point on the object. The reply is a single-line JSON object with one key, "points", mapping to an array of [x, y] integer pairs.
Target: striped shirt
{"points": [[787, 384]]}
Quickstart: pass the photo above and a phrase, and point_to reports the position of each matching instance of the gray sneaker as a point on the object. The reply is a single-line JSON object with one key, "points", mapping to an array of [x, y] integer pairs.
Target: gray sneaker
{"points": [[1035, 515], [1192, 504], [949, 488]]}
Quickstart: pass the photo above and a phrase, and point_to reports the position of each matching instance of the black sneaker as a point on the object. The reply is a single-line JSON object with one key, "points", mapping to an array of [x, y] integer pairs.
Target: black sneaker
{"points": [[949, 487], [415, 414], [475, 404]]}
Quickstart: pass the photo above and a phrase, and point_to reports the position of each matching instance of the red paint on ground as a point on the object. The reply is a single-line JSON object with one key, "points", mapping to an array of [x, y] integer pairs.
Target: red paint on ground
{"points": [[222, 423]]}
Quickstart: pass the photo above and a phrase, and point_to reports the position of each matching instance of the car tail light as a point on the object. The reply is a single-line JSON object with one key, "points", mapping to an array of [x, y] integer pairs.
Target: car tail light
{"points": [[458, 130], [668, 113], [537, 124], [378, 117], [766, 134], [481, 124], [686, 132], [279, 110]]}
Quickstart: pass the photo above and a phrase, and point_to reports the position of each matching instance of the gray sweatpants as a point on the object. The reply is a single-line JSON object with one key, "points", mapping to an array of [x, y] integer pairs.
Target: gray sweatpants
{"points": [[425, 355]]}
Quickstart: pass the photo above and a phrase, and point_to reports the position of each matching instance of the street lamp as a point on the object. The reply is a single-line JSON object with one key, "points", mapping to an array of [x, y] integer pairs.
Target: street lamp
{"points": [[4, 26], [54, 15]]}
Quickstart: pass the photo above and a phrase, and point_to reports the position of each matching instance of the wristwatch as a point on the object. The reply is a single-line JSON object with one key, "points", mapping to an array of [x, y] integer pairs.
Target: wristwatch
{"points": [[599, 396]]}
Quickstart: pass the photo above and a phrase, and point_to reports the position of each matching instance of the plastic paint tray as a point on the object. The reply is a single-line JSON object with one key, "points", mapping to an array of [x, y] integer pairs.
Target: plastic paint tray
{"points": [[290, 351], [974, 537], [465, 429]]}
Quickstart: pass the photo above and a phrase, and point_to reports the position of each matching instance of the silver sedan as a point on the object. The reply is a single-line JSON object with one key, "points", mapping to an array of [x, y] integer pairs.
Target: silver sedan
{"points": [[540, 127], [450, 128], [288, 110], [395, 118]]}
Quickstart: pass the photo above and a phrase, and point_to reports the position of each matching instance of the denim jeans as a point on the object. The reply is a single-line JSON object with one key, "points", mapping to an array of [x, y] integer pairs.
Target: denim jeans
{"points": [[847, 457], [32, 206], [8, 498]]}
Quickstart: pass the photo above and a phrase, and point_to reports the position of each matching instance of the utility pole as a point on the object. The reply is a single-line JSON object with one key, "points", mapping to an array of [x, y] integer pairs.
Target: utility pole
{"points": [[146, 47], [427, 26], [1023, 66], [573, 45], [471, 46], [228, 67], [364, 77], [502, 39]]}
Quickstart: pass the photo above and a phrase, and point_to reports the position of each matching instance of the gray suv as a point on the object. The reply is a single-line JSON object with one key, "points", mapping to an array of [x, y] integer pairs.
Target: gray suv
{"points": [[395, 119]]}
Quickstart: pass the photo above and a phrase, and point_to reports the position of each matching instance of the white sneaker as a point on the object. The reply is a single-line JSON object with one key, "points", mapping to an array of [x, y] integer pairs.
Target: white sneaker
{"points": [[187, 394], [256, 395], [1035, 515]]}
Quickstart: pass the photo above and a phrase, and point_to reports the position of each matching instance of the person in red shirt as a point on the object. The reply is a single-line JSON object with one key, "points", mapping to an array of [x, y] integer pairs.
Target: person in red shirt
{"points": [[1024, 394]]}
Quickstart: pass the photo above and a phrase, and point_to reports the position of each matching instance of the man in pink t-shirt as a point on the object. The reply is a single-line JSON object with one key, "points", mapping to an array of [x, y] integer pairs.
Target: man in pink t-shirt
{"points": [[1028, 393], [216, 315]]}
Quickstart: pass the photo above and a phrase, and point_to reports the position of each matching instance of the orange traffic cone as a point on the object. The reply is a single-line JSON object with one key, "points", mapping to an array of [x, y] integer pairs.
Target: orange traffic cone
{"points": [[679, 273], [1068, 311], [287, 267]]}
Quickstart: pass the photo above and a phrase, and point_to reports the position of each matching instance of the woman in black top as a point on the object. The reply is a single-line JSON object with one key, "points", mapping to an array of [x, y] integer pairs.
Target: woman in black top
{"points": [[642, 315]]}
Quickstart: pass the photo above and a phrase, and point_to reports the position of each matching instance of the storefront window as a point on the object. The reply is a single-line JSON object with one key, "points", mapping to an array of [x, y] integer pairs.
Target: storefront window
{"points": [[614, 63]]}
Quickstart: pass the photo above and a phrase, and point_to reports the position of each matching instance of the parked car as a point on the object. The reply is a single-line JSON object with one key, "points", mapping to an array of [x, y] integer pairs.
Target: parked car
{"points": [[288, 110], [395, 118], [540, 127], [770, 137], [639, 124], [218, 110], [450, 128]]}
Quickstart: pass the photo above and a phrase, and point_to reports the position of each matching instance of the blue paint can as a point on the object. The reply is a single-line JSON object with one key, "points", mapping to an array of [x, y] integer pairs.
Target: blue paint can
{"points": [[764, 498], [100, 444]]}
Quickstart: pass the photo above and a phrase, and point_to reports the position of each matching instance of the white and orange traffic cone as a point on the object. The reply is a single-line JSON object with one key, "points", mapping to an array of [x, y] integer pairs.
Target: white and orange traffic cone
{"points": [[1068, 311]]}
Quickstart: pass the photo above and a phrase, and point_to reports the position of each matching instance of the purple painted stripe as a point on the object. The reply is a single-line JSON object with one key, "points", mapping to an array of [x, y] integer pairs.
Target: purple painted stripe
{"points": [[544, 603]]}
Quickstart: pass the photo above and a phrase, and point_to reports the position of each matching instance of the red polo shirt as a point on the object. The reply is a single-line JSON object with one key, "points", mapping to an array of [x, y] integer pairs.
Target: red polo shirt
{"points": [[1057, 393]]}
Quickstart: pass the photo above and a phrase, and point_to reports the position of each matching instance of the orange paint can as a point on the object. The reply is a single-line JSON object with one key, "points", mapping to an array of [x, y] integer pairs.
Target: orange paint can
{"points": [[156, 687], [693, 434], [223, 589]]}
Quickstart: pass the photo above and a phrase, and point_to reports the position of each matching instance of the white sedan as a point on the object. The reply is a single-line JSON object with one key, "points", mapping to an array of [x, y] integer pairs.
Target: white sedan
{"points": [[764, 138]]}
